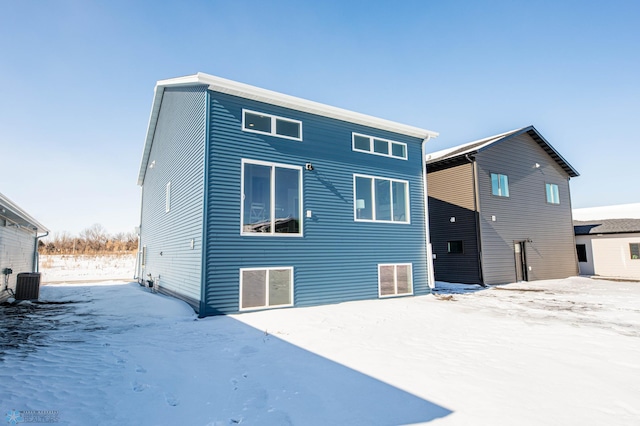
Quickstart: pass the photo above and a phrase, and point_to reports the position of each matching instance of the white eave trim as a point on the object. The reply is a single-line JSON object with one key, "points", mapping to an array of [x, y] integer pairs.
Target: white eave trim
{"points": [[223, 85]]}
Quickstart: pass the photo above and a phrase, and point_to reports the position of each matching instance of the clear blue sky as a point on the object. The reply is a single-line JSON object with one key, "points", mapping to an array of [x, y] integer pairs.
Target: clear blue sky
{"points": [[78, 77]]}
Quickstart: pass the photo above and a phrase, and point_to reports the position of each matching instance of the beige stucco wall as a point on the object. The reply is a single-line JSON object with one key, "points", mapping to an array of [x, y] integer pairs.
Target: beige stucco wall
{"points": [[609, 255]]}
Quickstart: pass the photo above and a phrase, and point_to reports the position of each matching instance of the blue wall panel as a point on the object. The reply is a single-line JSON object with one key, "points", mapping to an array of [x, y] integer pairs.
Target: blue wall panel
{"points": [[337, 258]]}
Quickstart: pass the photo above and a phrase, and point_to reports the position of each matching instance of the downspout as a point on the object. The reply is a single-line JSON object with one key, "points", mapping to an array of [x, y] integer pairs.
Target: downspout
{"points": [[476, 206], [431, 275], [35, 251], [202, 311]]}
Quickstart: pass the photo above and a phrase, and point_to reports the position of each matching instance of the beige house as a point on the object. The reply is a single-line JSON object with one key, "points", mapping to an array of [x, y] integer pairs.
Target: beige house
{"points": [[609, 248]]}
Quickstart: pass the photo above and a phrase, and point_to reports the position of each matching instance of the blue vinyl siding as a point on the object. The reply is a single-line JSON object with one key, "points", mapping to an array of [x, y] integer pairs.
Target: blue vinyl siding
{"points": [[337, 258], [177, 155]]}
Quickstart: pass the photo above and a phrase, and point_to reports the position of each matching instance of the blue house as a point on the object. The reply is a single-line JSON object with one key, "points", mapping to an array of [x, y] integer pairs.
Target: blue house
{"points": [[253, 199]]}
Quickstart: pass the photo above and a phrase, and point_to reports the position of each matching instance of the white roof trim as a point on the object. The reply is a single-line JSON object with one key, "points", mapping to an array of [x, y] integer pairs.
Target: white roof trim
{"points": [[8, 208], [242, 90], [434, 156]]}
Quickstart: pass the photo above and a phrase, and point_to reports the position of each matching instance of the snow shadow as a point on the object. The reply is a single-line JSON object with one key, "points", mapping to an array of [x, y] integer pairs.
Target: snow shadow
{"points": [[29, 325], [306, 388], [445, 288]]}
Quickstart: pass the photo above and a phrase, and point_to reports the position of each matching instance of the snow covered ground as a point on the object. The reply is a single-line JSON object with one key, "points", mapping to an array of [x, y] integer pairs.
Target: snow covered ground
{"points": [[563, 352], [83, 268]]}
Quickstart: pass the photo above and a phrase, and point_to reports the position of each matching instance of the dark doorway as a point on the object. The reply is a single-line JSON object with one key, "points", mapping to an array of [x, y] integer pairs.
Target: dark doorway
{"points": [[521, 261]]}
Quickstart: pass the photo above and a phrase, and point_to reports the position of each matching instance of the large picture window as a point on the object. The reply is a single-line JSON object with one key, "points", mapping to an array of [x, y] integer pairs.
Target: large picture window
{"points": [[271, 199], [395, 280], [380, 199], [258, 122], [266, 287], [499, 185]]}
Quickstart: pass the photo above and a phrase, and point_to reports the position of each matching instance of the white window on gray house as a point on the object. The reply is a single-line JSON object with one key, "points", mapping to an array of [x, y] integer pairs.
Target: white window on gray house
{"points": [[634, 248], [167, 198], [266, 287], [499, 185], [380, 199], [271, 199], [378, 146], [258, 122], [553, 197], [395, 279]]}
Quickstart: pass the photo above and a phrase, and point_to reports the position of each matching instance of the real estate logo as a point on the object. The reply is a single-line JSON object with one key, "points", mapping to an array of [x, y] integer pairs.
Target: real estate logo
{"points": [[32, 416]]}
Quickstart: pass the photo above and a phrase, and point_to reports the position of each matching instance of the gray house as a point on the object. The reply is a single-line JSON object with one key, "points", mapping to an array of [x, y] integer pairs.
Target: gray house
{"points": [[18, 245], [253, 199], [500, 210]]}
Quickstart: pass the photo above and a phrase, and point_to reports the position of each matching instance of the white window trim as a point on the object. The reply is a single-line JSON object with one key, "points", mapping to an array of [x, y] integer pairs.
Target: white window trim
{"points": [[373, 200], [553, 200], [500, 188], [167, 195], [266, 283], [272, 202], [395, 280], [273, 125], [371, 151]]}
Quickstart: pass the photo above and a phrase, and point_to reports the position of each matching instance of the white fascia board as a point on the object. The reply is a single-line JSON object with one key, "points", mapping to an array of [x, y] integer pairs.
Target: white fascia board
{"points": [[474, 146], [223, 85], [13, 209]]}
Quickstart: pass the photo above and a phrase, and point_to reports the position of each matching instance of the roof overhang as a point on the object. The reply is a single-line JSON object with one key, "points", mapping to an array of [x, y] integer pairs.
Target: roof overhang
{"points": [[15, 215], [222, 85], [462, 153]]}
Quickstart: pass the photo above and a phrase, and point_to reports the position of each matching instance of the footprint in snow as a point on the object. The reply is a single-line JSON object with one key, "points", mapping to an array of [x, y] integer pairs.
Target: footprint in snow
{"points": [[138, 387], [171, 399], [140, 369]]}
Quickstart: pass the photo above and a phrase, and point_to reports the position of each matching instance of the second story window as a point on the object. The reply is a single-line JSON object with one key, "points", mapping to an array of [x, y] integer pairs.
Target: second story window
{"points": [[378, 146], [553, 197], [258, 122], [499, 185], [380, 199]]}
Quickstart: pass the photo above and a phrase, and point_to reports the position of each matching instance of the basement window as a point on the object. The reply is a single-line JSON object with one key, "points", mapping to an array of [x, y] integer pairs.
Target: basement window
{"points": [[258, 122], [266, 288], [395, 279]]}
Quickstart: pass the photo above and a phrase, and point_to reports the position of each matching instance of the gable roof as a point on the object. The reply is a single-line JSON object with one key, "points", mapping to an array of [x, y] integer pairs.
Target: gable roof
{"points": [[13, 213], [606, 226], [242, 90], [453, 156]]}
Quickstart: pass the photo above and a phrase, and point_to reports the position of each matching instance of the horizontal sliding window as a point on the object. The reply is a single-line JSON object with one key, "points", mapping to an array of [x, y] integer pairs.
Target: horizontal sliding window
{"points": [[271, 199], [499, 185], [266, 287], [553, 197], [380, 199], [259, 122], [378, 146], [395, 280]]}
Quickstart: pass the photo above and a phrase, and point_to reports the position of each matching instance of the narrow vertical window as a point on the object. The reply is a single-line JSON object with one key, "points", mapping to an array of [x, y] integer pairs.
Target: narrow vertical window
{"points": [[553, 197], [499, 185], [581, 249], [634, 248], [167, 200]]}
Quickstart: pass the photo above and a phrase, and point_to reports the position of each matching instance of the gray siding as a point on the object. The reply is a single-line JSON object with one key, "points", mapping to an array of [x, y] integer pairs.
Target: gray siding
{"points": [[525, 215], [337, 258], [16, 252], [177, 155], [451, 195]]}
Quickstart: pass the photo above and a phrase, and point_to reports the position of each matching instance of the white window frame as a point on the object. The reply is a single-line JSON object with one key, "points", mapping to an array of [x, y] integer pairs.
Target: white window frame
{"points": [[373, 200], [555, 193], [274, 119], [266, 283], [272, 200], [167, 195], [371, 143], [501, 189], [395, 279]]}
